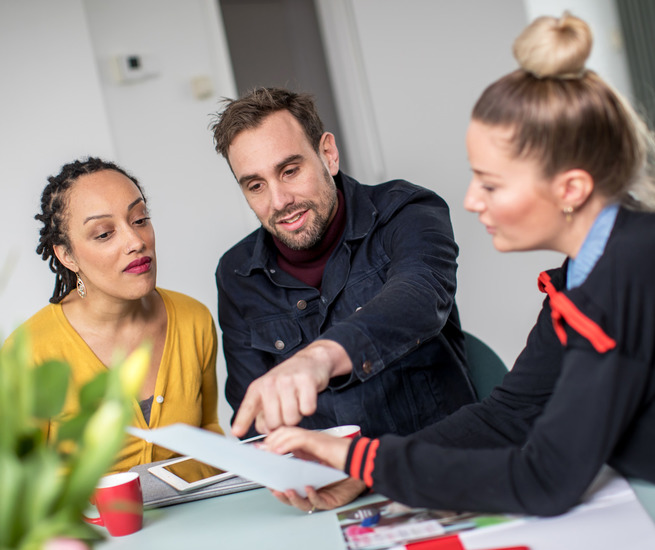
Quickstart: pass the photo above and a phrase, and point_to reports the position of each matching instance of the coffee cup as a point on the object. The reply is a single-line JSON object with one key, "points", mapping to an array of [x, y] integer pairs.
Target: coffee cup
{"points": [[349, 431], [119, 501]]}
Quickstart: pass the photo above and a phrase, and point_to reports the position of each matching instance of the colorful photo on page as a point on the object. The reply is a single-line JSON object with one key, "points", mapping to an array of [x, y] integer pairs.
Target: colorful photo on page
{"points": [[384, 524]]}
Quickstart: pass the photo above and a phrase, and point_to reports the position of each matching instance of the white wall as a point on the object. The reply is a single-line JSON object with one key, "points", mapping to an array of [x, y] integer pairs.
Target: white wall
{"points": [[51, 111]]}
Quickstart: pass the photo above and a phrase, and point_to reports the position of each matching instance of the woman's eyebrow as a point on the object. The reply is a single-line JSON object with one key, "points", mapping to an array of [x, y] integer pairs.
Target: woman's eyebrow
{"points": [[100, 216]]}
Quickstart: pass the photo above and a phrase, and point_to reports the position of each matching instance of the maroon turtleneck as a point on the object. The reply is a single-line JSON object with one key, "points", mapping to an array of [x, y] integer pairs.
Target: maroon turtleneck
{"points": [[308, 265]]}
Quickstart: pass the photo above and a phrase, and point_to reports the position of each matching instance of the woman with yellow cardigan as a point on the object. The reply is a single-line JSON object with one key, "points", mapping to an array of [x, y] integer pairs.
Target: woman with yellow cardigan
{"points": [[100, 243]]}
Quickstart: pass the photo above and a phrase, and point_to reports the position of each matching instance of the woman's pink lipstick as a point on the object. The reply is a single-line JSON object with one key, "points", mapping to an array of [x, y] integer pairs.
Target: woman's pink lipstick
{"points": [[140, 265]]}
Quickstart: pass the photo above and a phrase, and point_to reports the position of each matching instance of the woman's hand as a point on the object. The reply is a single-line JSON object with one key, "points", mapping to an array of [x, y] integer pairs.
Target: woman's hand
{"points": [[326, 449], [326, 498], [309, 445]]}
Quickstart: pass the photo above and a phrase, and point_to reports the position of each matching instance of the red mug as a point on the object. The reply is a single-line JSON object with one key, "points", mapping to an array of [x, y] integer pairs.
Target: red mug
{"points": [[119, 501], [349, 431]]}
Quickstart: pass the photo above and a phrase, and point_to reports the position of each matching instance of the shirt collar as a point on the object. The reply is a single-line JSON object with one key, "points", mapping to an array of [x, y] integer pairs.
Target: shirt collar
{"points": [[592, 247]]}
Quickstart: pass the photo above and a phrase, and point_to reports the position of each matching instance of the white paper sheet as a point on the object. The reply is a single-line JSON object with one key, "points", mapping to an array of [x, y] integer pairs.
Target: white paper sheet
{"points": [[268, 469]]}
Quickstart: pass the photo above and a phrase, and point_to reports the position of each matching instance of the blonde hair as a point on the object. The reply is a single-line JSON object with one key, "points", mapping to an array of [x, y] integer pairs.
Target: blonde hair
{"points": [[554, 47], [565, 116]]}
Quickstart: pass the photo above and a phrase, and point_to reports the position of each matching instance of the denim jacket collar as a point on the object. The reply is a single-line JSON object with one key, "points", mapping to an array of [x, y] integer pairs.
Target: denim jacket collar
{"points": [[357, 227]]}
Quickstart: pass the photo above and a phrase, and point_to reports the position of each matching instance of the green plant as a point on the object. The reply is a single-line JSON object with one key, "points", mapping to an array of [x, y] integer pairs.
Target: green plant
{"points": [[45, 484]]}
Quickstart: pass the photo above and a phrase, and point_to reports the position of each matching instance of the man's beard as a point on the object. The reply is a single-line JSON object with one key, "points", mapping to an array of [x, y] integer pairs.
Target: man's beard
{"points": [[309, 235]]}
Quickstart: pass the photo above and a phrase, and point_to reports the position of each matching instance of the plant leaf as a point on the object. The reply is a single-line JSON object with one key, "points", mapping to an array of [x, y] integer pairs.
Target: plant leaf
{"points": [[42, 486], [50, 387], [11, 478], [73, 428], [66, 523], [93, 392], [102, 439]]}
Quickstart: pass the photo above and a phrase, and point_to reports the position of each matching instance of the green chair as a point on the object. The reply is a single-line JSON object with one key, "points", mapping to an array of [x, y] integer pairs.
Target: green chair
{"points": [[486, 368]]}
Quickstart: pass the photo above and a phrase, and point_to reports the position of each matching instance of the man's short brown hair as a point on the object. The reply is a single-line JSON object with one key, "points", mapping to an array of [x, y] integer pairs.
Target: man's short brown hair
{"points": [[250, 110]]}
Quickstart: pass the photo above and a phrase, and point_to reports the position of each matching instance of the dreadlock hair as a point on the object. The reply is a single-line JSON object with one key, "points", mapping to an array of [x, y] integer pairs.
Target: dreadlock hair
{"points": [[53, 217]]}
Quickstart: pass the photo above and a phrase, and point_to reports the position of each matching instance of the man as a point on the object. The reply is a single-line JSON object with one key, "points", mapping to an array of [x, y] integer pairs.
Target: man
{"points": [[341, 308]]}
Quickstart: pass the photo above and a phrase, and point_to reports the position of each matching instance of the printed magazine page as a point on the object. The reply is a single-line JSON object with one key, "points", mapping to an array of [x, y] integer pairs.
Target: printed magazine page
{"points": [[387, 523]]}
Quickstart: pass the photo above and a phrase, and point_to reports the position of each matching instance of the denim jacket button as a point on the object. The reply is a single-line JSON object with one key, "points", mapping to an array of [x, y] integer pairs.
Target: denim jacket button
{"points": [[279, 345], [301, 304], [367, 366]]}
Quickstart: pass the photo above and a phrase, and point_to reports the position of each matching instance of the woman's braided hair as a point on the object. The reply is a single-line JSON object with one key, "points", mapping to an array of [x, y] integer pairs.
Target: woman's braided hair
{"points": [[53, 217]]}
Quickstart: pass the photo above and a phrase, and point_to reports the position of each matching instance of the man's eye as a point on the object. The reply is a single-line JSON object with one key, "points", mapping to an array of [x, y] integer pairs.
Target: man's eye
{"points": [[255, 187]]}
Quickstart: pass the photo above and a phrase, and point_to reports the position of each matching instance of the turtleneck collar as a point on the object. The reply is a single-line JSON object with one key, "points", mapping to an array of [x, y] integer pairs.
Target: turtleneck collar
{"points": [[308, 265]]}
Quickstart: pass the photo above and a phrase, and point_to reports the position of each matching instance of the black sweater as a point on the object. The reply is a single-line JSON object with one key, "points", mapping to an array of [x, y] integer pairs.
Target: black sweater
{"points": [[578, 396]]}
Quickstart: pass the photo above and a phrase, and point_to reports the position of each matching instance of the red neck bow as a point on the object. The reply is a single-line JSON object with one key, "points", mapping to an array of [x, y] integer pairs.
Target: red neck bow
{"points": [[564, 310]]}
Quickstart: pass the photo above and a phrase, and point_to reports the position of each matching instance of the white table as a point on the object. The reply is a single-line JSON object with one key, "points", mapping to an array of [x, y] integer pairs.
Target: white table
{"points": [[255, 520]]}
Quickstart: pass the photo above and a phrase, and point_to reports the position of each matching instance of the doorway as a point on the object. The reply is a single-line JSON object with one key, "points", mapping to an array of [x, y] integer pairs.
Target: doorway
{"points": [[278, 43]]}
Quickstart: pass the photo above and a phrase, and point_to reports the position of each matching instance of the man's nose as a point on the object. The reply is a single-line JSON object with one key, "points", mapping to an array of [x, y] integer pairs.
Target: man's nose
{"points": [[281, 197]]}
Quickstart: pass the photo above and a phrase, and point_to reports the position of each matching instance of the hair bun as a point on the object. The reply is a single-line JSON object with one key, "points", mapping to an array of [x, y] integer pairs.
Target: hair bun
{"points": [[552, 47]]}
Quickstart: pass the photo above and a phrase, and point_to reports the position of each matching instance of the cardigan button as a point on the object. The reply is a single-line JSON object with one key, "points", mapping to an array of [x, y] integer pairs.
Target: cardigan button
{"points": [[279, 345], [160, 399]]}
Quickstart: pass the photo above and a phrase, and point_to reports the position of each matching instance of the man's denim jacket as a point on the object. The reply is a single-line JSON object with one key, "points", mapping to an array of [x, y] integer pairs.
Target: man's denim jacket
{"points": [[388, 297]]}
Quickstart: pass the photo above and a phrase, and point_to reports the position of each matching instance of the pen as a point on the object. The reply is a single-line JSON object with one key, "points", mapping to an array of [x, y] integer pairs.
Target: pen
{"points": [[255, 438], [447, 543]]}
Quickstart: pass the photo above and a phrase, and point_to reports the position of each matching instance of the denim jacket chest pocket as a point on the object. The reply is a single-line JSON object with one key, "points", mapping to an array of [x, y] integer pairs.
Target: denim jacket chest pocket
{"points": [[280, 337], [368, 274]]}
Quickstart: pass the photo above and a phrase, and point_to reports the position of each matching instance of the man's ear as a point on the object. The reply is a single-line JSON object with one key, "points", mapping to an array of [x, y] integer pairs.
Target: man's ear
{"points": [[65, 257], [573, 188], [327, 149]]}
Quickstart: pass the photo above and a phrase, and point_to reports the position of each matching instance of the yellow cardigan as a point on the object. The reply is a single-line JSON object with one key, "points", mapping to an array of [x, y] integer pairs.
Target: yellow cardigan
{"points": [[186, 387]]}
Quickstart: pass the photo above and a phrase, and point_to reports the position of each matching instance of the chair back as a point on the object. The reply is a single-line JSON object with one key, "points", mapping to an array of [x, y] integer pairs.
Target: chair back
{"points": [[486, 368]]}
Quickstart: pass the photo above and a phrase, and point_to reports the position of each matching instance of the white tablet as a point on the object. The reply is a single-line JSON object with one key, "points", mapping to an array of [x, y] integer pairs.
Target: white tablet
{"points": [[187, 473]]}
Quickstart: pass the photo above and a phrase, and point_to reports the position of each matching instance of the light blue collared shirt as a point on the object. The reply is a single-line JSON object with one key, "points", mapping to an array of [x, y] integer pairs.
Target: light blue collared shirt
{"points": [[592, 247]]}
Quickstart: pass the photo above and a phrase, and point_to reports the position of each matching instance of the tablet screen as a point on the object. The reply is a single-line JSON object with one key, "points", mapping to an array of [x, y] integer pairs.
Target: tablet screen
{"points": [[192, 470]]}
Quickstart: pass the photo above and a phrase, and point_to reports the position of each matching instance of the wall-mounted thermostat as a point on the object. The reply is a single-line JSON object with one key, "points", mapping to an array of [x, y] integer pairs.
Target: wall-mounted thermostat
{"points": [[134, 67]]}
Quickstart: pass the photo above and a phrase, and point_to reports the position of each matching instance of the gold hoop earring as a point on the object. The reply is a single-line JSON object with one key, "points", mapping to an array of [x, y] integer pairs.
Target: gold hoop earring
{"points": [[568, 213], [81, 288]]}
